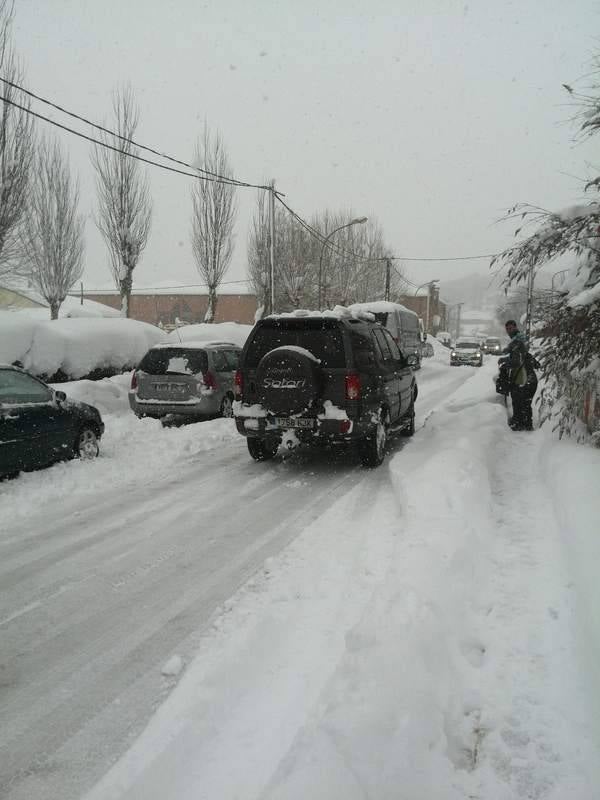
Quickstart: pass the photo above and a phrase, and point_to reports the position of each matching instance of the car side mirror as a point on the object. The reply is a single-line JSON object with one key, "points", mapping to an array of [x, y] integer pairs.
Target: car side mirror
{"points": [[411, 360], [60, 397]]}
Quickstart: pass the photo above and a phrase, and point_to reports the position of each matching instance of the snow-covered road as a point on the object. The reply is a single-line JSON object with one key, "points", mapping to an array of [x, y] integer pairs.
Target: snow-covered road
{"points": [[107, 569], [411, 632]]}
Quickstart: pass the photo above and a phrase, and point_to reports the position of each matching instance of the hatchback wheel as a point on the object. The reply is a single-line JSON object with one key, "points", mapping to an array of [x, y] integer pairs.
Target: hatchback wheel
{"points": [[227, 407], [262, 449], [86, 445]]}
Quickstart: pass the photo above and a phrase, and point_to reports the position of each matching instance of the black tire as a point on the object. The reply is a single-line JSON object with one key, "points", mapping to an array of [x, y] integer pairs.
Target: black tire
{"points": [[372, 447], [262, 449], [227, 407], [86, 445], [409, 428]]}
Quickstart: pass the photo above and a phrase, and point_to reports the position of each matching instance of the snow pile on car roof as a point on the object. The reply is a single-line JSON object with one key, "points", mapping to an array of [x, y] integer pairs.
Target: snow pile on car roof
{"points": [[74, 347], [337, 312], [218, 332], [380, 307]]}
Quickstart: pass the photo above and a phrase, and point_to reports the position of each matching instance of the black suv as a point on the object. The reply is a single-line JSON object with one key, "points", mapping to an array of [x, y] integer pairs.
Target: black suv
{"points": [[329, 378]]}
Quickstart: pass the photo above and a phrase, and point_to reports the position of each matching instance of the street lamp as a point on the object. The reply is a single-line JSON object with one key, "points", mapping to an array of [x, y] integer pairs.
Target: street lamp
{"points": [[429, 284], [357, 221]]}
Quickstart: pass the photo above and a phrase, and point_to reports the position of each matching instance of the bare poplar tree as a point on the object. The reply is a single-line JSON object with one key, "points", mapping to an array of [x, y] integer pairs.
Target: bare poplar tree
{"points": [[213, 217], [124, 204], [258, 250], [52, 233], [16, 149]]}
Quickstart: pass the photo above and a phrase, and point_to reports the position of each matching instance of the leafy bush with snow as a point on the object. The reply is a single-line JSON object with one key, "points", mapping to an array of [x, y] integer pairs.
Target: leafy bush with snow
{"points": [[74, 348], [571, 338]]}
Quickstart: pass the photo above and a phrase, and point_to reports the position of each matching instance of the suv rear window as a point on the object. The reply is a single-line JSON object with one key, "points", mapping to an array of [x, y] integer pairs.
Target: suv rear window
{"points": [[161, 360], [322, 337]]}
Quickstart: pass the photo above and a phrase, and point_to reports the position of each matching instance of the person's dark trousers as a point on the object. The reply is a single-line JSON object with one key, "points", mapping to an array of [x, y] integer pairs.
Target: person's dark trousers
{"points": [[522, 396]]}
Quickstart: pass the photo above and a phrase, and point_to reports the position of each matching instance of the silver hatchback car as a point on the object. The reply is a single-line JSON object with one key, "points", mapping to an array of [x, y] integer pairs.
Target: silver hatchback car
{"points": [[193, 379]]}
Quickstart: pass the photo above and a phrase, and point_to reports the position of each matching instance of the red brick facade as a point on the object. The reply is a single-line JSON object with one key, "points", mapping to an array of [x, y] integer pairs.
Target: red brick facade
{"points": [[166, 308], [437, 308]]}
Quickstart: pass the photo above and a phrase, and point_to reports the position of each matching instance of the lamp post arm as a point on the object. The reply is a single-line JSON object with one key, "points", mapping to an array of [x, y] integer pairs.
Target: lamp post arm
{"points": [[358, 221]]}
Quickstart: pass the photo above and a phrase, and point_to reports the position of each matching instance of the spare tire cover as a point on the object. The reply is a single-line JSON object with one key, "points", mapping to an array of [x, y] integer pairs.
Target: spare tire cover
{"points": [[288, 380]]}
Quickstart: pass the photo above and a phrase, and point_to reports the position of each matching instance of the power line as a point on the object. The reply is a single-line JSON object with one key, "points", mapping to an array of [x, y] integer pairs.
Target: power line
{"points": [[340, 250], [449, 258], [99, 127], [123, 152], [157, 288], [212, 177]]}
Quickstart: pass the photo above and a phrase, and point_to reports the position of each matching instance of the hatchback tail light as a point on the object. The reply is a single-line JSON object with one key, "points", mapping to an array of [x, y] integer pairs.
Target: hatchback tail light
{"points": [[209, 380], [134, 380], [353, 386], [238, 382]]}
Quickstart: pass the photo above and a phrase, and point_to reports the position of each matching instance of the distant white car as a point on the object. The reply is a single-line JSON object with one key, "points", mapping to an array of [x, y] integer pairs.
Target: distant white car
{"points": [[466, 351]]}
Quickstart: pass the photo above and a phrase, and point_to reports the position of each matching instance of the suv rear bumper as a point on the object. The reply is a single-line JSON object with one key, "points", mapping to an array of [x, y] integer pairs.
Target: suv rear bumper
{"points": [[342, 430]]}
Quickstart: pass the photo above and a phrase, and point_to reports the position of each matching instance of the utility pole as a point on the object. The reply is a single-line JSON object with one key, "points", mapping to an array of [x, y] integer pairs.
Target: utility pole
{"points": [[272, 248], [81, 284], [388, 276], [459, 307]]}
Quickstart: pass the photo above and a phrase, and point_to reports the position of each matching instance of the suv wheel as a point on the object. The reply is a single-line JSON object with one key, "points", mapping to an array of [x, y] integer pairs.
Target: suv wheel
{"points": [[409, 425], [372, 447], [262, 449]]}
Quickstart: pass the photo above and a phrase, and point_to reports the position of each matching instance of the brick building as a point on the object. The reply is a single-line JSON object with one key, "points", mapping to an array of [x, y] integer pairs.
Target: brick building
{"points": [[159, 306], [437, 308]]}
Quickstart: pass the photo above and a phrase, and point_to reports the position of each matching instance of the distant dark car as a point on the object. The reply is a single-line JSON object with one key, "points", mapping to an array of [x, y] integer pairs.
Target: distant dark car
{"points": [[329, 379], [39, 426]]}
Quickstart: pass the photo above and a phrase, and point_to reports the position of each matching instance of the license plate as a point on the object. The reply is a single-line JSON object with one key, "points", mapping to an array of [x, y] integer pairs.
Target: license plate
{"points": [[178, 388], [294, 422]]}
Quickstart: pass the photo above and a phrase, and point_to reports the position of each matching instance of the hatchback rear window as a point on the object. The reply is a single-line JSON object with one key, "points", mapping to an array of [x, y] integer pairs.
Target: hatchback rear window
{"points": [[179, 360], [321, 337]]}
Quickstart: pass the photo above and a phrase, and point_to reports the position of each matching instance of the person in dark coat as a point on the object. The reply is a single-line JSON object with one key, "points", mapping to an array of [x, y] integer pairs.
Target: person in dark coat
{"points": [[522, 378]]}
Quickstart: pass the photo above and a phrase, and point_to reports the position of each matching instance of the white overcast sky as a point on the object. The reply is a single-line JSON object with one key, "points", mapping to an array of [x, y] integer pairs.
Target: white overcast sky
{"points": [[433, 116]]}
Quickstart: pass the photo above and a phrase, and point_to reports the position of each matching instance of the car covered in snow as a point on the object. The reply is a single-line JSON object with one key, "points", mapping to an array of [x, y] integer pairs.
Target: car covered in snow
{"points": [[191, 379], [334, 378], [39, 425], [466, 350]]}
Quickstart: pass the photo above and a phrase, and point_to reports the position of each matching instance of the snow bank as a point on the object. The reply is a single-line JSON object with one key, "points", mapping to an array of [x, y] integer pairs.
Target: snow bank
{"points": [[109, 395], [74, 346], [416, 641], [132, 452], [232, 332]]}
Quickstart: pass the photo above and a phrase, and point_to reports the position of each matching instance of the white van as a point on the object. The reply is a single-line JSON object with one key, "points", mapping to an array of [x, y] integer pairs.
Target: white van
{"points": [[400, 321]]}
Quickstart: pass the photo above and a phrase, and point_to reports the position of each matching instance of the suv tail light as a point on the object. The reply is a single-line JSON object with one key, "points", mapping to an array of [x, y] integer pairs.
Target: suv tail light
{"points": [[352, 386], [209, 381], [134, 381], [238, 383]]}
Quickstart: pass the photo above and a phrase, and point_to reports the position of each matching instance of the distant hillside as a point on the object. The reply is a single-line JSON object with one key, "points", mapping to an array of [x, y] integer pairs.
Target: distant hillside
{"points": [[478, 291]]}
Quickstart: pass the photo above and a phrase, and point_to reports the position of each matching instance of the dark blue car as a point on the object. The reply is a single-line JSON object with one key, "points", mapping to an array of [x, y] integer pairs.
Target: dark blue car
{"points": [[39, 426]]}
